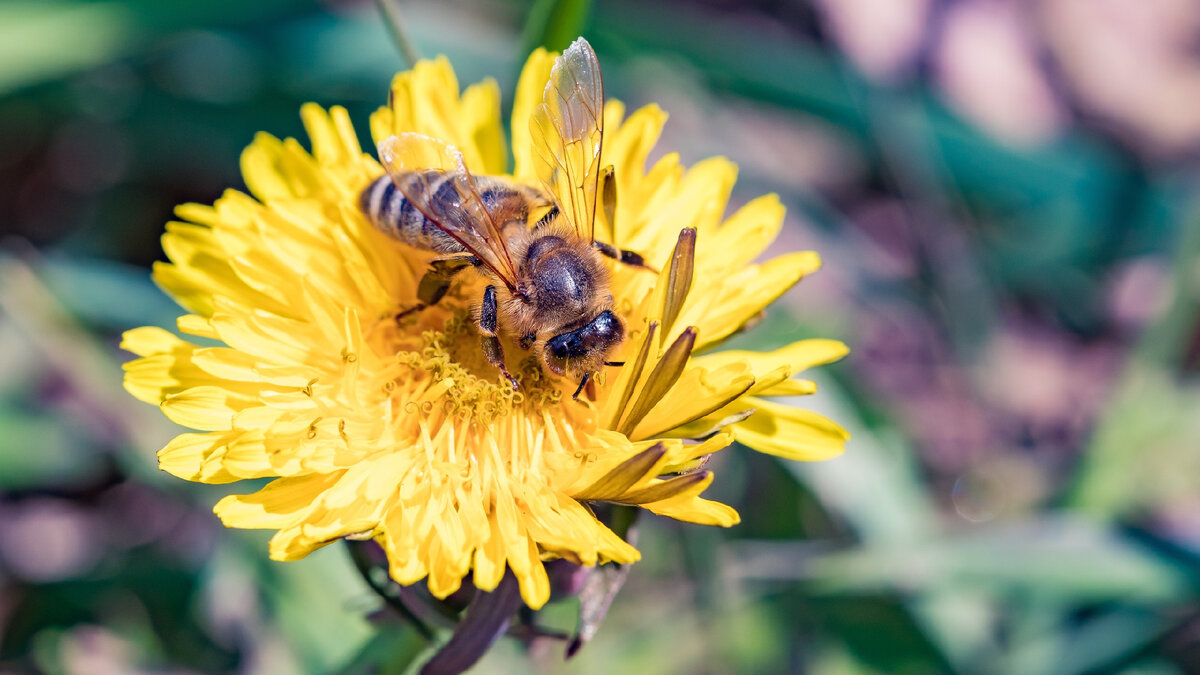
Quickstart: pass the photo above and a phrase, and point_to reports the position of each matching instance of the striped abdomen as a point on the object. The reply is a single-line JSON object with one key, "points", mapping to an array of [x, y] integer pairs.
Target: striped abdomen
{"points": [[394, 214]]}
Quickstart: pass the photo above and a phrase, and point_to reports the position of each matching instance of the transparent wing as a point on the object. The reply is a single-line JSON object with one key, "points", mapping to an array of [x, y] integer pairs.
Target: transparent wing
{"points": [[432, 177], [568, 131]]}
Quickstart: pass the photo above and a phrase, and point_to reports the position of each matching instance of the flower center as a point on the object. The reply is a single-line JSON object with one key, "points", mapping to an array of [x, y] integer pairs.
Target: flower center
{"points": [[449, 373]]}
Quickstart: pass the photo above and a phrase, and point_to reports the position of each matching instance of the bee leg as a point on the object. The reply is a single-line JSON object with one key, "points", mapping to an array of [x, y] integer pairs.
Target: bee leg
{"points": [[436, 282], [492, 350], [622, 256], [582, 384], [547, 218]]}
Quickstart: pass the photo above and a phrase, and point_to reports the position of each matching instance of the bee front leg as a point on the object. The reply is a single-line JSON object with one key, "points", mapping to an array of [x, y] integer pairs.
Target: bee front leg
{"points": [[582, 384], [547, 218], [436, 282], [492, 350], [622, 256]]}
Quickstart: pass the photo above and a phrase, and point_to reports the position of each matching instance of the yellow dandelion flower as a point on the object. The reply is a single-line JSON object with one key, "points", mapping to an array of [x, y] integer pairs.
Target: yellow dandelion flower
{"points": [[400, 430]]}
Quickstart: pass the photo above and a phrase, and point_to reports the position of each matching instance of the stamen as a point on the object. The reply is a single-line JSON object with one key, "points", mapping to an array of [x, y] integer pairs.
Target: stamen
{"points": [[453, 378]]}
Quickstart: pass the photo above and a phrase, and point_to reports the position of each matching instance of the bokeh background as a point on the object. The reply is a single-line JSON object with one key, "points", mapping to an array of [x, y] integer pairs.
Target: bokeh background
{"points": [[1004, 194]]}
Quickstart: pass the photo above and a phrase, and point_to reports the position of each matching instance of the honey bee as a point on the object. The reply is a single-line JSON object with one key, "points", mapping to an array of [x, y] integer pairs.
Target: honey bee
{"points": [[547, 285]]}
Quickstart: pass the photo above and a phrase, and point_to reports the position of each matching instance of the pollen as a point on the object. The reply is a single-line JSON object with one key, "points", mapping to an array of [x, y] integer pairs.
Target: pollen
{"points": [[448, 376]]}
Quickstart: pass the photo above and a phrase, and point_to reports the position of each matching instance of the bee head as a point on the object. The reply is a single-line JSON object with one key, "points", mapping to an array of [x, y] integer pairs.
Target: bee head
{"points": [[583, 349]]}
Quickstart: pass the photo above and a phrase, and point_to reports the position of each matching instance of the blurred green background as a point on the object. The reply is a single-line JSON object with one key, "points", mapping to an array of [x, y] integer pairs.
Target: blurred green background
{"points": [[1004, 196]]}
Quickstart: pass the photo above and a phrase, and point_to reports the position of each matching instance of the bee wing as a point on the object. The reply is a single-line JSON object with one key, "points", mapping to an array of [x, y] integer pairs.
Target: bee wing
{"points": [[568, 131], [432, 177]]}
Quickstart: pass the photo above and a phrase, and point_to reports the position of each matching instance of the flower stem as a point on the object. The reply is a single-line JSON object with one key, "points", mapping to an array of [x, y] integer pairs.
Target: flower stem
{"points": [[360, 553], [391, 16]]}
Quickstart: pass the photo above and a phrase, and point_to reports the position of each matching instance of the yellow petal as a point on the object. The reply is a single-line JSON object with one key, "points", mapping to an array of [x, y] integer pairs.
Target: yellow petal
{"points": [[744, 236], [150, 340], [772, 368], [660, 380], [699, 392], [698, 202], [689, 507], [207, 408], [792, 387], [282, 502], [682, 455], [186, 455], [481, 120], [626, 146], [246, 456], [530, 86], [194, 324], [231, 364], [330, 143], [742, 296], [788, 432], [184, 287], [699, 511], [619, 480], [666, 489], [260, 170]]}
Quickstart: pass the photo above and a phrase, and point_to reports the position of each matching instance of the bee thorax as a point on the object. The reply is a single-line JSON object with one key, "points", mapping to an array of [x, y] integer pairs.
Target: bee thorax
{"points": [[563, 281]]}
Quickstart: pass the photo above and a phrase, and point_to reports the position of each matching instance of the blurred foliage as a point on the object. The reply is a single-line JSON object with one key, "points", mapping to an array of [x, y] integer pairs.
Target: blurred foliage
{"points": [[1020, 494]]}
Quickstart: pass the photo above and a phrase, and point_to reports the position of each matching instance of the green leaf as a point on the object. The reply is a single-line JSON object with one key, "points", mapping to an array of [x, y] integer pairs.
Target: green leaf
{"points": [[1102, 643], [392, 651], [39, 451], [34, 37], [554, 24], [1152, 410], [309, 599], [1065, 559], [108, 294]]}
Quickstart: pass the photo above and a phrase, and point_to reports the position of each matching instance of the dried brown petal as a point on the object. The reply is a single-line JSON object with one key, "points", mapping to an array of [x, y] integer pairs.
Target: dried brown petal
{"points": [[679, 278], [666, 489], [633, 374], [614, 483], [661, 379]]}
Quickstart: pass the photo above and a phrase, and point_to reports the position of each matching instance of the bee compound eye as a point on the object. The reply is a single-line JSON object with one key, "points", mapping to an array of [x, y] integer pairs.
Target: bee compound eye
{"points": [[557, 350], [606, 324], [557, 346]]}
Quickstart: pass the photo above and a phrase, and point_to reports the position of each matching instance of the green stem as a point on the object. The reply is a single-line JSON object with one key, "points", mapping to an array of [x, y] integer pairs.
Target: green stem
{"points": [[362, 562], [392, 17]]}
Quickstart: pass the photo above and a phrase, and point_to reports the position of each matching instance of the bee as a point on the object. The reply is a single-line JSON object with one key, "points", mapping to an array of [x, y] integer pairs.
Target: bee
{"points": [[548, 286]]}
